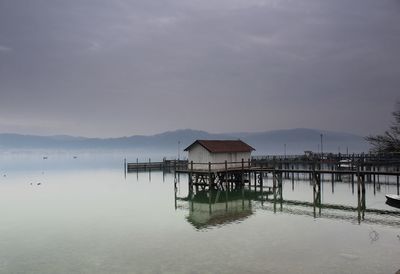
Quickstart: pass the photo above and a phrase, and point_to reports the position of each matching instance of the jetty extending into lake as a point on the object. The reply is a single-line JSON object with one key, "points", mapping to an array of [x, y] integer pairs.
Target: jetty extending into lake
{"points": [[263, 178], [223, 175]]}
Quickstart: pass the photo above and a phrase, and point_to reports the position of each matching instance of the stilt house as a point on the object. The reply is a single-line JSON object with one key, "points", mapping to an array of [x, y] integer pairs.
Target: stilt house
{"points": [[216, 152]]}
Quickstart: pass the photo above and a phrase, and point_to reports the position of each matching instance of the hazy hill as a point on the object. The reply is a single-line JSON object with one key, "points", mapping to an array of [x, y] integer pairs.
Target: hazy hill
{"points": [[270, 142]]}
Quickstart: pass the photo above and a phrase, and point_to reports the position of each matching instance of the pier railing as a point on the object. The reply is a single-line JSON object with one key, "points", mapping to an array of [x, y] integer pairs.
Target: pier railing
{"points": [[366, 164]]}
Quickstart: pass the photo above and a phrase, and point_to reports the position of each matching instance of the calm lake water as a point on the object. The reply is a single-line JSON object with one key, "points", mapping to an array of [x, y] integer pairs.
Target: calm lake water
{"points": [[87, 217]]}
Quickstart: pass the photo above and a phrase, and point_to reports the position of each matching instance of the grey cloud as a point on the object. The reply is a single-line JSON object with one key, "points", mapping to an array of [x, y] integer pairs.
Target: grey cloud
{"points": [[5, 49], [114, 68]]}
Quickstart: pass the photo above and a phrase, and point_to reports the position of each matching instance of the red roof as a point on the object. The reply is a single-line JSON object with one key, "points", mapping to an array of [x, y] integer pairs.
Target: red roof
{"points": [[221, 146]]}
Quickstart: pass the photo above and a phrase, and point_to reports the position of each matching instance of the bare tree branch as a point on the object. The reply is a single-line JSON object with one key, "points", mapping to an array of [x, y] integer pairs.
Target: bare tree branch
{"points": [[390, 140]]}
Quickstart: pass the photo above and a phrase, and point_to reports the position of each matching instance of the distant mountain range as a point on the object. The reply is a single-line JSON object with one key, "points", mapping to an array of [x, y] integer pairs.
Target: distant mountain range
{"points": [[269, 142]]}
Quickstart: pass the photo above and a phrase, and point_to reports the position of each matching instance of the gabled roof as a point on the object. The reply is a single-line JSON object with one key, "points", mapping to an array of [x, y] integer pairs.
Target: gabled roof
{"points": [[221, 146]]}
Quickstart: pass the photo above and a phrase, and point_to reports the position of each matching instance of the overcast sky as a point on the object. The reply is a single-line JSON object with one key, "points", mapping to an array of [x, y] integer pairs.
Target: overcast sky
{"points": [[111, 68]]}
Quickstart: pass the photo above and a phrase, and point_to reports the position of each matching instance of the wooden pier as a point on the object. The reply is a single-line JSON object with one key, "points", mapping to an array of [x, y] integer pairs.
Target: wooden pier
{"points": [[230, 178], [261, 179], [164, 165], [266, 184], [363, 168]]}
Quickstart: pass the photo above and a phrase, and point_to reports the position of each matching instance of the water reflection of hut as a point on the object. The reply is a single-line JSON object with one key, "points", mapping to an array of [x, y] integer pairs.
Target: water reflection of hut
{"points": [[215, 208]]}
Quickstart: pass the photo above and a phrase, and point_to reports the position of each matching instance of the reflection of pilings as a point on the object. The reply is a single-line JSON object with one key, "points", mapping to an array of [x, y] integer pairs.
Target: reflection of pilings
{"points": [[277, 179], [338, 212], [274, 189], [210, 181], [317, 192], [398, 182], [243, 195], [360, 197], [125, 168], [176, 193]]}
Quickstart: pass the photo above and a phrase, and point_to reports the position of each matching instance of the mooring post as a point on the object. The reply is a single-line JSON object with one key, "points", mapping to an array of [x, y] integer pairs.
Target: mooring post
{"points": [[191, 175], [149, 175], [209, 176], [226, 175], [149, 170], [358, 196], [363, 193], [316, 192], [274, 188], [125, 167], [378, 169], [373, 176], [333, 179], [242, 172], [358, 185], [255, 180], [249, 171], [274, 180], [292, 177], [398, 185], [362, 162]]}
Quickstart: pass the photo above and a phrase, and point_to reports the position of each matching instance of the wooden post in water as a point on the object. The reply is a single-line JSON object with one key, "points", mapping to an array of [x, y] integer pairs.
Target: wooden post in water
{"points": [[209, 176], [333, 179], [226, 176], [358, 195], [293, 177], [316, 192], [274, 188], [190, 175], [242, 173], [149, 169], [255, 180], [378, 168], [363, 195], [373, 168], [249, 171], [125, 167], [398, 183]]}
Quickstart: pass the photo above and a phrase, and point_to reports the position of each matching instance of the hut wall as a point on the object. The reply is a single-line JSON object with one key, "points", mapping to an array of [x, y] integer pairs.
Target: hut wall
{"points": [[234, 159], [201, 157], [199, 154]]}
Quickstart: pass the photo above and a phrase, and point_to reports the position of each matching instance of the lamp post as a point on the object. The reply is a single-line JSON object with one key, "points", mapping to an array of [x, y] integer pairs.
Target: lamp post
{"points": [[179, 150], [322, 151]]}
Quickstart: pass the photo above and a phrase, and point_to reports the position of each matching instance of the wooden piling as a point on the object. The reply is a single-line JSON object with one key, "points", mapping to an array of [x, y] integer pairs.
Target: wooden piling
{"points": [[398, 183], [210, 181], [226, 176], [242, 173]]}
